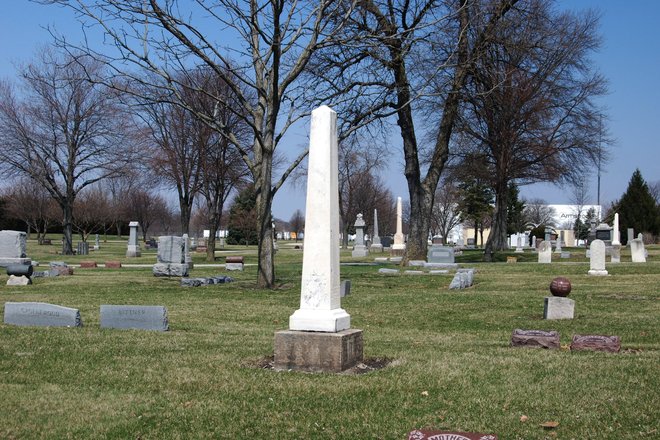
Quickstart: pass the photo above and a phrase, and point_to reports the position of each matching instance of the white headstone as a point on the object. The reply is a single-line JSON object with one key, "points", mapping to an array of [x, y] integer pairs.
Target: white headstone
{"points": [[519, 248], [545, 252], [359, 249], [320, 308], [13, 248], [399, 243], [631, 235], [597, 258], [376, 245], [133, 249], [616, 240], [637, 251]]}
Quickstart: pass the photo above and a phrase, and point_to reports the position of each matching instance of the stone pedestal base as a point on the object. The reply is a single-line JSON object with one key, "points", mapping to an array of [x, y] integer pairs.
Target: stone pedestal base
{"points": [[598, 273], [360, 251], [318, 352], [616, 253], [313, 320], [397, 252], [133, 251], [557, 307], [170, 270], [376, 248]]}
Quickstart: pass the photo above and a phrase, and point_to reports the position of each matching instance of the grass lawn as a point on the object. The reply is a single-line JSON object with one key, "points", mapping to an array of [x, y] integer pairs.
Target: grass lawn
{"points": [[452, 367]]}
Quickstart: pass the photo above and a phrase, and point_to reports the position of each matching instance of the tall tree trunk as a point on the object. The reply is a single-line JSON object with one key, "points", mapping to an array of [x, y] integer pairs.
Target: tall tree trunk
{"points": [[67, 228], [214, 222], [421, 205], [497, 237], [185, 206], [266, 264]]}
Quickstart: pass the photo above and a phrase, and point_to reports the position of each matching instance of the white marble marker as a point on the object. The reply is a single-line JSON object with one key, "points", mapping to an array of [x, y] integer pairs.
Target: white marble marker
{"points": [[320, 308], [398, 236]]}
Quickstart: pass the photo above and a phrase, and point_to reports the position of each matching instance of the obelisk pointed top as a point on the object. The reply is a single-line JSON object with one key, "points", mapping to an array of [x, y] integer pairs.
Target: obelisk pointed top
{"points": [[323, 109]]}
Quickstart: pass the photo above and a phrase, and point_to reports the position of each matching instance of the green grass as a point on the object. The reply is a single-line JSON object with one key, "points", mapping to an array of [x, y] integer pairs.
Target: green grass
{"points": [[453, 367]]}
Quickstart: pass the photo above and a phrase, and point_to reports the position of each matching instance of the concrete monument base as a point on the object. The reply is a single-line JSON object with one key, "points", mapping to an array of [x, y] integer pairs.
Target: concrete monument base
{"points": [[376, 248], [598, 273], [359, 251], [133, 251], [318, 352], [557, 307]]}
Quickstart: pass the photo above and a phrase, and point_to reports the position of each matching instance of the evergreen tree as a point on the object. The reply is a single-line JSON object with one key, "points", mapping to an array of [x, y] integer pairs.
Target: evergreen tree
{"points": [[242, 223], [476, 203], [637, 208], [514, 215]]}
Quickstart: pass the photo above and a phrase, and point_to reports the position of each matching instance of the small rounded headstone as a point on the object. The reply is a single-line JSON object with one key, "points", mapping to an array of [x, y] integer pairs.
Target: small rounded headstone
{"points": [[560, 286]]}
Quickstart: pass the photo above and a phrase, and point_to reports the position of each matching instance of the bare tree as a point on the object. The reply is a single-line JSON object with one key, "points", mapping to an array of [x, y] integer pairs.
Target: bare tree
{"points": [[272, 43], [62, 131], [397, 51], [31, 204], [297, 222], [92, 211], [530, 107], [654, 189], [446, 215], [537, 212], [147, 208]]}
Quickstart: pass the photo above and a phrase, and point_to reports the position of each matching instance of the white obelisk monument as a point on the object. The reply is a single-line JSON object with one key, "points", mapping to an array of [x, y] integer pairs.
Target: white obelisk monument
{"points": [[399, 243], [319, 336], [319, 297]]}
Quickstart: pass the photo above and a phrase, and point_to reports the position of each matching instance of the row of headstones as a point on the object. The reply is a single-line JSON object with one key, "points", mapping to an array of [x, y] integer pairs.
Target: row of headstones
{"points": [[112, 316], [598, 252]]}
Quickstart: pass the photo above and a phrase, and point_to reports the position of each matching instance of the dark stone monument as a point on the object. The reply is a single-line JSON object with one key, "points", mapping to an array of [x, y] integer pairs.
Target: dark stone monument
{"points": [[611, 344], [134, 317], [41, 315], [234, 262], [535, 339], [560, 286], [424, 434], [83, 248], [345, 288]]}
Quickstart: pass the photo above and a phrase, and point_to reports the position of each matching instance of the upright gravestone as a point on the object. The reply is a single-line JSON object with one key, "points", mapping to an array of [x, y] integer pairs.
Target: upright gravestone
{"points": [[359, 249], [615, 256], [133, 249], [519, 245], [97, 243], [637, 251], [319, 336], [376, 245], [186, 251], [597, 258], [171, 257], [545, 252], [631, 235], [440, 255], [399, 245], [548, 234], [560, 241], [82, 248], [12, 248], [533, 243]]}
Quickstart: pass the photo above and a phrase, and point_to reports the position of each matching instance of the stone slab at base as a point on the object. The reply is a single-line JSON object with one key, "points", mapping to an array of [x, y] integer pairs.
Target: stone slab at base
{"points": [[557, 307], [376, 248], [596, 343], [313, 320], [534, 339], [4, 262], [598, 273], [318, 352]]}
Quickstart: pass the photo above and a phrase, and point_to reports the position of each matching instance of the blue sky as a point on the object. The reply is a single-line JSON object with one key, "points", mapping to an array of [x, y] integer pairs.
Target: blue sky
{"points": [[629, 58]]}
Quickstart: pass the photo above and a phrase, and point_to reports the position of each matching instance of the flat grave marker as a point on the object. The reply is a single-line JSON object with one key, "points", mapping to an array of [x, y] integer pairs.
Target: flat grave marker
{"points": [[134, 317]]}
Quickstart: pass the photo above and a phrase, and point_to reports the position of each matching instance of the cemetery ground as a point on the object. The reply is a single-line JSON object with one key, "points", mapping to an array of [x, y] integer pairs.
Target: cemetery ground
{"points": [[450, 364]]}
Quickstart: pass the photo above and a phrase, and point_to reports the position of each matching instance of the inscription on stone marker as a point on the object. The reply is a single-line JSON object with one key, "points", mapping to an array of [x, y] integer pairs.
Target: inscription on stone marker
{"points": [[448, 435], [134, 317], [41, 315]]}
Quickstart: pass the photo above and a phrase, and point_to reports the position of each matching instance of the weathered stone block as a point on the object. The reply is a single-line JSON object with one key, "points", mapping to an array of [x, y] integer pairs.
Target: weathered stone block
{"points": [[41, 315], [134, 317], [88, 264], [113, 264], [556, 307], [170, 270], [611, 344], [318, 351], [21, 280], [535, 339]]}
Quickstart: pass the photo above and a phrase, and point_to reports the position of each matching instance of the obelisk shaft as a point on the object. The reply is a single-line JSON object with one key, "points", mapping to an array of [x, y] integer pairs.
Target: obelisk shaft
{"points": [[319, 297]]}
